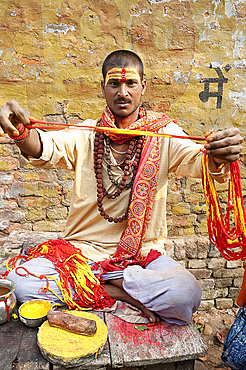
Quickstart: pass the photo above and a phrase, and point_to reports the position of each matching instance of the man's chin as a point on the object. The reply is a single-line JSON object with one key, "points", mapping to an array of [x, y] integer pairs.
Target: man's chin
{"points": [[122, 112]]}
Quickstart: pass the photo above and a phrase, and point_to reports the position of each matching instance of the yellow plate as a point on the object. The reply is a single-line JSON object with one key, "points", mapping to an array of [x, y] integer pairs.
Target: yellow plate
{"points": [[69, 349]]}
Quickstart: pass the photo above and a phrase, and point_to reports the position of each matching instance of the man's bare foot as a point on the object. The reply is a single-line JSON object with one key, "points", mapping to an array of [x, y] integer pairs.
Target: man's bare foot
{"points": [[152, 316], [115, 290]]}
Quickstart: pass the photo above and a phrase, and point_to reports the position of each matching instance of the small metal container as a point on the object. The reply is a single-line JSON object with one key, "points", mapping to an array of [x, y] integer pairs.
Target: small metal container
{"points": [[37, 321], [7, 299]]}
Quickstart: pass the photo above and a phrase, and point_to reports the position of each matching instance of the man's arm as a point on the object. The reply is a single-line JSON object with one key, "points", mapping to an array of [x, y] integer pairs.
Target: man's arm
{"points": [[224, 146], [13, 120]]}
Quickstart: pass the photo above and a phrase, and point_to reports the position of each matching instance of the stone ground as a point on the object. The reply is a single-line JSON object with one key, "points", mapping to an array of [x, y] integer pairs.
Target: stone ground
{"points": [[216, 320]]}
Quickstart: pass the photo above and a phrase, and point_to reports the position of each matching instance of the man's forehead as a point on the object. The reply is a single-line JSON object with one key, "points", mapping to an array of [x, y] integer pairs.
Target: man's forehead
{"points": [[122, 74]]}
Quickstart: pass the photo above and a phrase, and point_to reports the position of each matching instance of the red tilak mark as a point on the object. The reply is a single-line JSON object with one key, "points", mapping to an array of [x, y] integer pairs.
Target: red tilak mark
{"points": [[123, 75]]}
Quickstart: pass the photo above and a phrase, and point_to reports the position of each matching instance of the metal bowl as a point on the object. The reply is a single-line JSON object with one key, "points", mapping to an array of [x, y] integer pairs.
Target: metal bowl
{"points": [[7, 300], [37, 321]]}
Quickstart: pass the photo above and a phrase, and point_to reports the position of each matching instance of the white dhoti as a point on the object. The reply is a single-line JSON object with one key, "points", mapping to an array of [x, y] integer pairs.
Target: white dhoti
{"points": [[164, 286]]}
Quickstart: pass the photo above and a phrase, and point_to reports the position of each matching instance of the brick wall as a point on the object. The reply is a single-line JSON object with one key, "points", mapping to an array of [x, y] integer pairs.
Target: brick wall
{"points": [[50, 58]]}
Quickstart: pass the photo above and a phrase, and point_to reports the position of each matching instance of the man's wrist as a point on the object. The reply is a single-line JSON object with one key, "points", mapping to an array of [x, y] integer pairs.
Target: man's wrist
{"points": [[219, 164], [217, 169], [22, 135]]}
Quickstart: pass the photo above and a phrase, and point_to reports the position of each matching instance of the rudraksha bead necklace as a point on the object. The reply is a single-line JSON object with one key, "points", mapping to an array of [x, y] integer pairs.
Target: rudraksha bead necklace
{"points": [[130, 164], [130, 169]]}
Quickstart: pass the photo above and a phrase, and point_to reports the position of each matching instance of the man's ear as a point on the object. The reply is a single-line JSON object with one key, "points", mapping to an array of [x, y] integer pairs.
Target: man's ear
{"points": [[102, 87], [143, 83]]}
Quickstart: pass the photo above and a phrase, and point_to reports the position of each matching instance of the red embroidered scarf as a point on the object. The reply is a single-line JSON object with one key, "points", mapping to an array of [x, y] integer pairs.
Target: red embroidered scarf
{"points": [[144, 188]]}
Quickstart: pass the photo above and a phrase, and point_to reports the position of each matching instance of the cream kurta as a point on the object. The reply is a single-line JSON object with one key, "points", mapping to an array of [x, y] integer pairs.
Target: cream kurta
{"points": [[86, 228]]}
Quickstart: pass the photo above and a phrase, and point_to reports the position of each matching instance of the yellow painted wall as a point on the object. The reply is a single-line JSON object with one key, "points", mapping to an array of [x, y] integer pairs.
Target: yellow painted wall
{"points": [[51, 51]]}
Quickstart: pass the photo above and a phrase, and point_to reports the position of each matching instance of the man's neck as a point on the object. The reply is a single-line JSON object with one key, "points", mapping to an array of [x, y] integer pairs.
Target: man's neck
{"points": [[124, 122]]}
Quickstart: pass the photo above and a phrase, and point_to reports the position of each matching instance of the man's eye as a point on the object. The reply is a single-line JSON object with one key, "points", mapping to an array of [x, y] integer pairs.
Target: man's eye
{"points": [[114, 83], [131, 83]]}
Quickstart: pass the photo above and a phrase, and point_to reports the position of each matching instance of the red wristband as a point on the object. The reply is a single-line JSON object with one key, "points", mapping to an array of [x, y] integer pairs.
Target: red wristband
{"points": [[20, 137]]}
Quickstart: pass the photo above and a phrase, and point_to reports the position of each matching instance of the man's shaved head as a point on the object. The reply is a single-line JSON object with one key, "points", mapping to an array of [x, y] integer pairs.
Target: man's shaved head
{"points": [[122, 59]]}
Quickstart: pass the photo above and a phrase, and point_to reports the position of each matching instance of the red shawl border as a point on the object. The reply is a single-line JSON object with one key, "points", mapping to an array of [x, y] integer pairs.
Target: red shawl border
{"points": [[128, 252]]}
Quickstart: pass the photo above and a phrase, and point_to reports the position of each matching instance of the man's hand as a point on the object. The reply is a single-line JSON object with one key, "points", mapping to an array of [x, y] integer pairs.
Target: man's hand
{"points": [[224, 146], [12, 118]]}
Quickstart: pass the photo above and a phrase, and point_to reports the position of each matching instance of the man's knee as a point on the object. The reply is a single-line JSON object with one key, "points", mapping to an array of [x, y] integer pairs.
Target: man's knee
{"points": [[188, 291]]}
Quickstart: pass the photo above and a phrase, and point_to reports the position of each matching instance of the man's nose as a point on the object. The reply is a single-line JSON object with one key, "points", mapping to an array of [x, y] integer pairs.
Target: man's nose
{"points": [[122, 92]]}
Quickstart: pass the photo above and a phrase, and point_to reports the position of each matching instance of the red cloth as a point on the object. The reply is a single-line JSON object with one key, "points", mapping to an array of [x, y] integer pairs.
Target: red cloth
{"points": [[129, 249]]}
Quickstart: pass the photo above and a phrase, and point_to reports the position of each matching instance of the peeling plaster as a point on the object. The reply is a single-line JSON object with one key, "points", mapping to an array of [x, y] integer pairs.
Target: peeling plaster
{"points": [[239, 64], [180, 77], [238, 49], [158, 1], [203, 36], [56, 28], [214, 64], [197, 64], [216, 4], [197, 77], [239, 97], [229, 9]]}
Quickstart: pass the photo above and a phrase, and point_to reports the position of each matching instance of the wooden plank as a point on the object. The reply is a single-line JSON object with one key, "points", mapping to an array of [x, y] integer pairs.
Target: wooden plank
{"points": [[161, 343], [10, 338], [101, 362], [29, 356], [181, 365], [169, 366]]}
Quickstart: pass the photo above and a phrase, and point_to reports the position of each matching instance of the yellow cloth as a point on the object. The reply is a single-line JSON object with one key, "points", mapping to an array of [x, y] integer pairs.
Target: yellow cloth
{"points": [[86, 228]]}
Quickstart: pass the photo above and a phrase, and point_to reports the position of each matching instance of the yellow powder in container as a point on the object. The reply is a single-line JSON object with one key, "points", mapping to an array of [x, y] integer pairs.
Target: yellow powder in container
{"points": [[35, 309], [62, 347]]}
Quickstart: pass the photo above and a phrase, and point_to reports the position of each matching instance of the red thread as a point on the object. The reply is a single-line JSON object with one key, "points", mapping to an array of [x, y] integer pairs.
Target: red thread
{"points": [[50, 126], [66, 259], [23, 268], [227, 238], [227, 232]]}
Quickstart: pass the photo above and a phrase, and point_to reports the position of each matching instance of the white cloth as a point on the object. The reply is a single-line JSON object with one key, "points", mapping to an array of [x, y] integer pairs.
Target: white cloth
{"points": [[164, 287], [86, 228]]}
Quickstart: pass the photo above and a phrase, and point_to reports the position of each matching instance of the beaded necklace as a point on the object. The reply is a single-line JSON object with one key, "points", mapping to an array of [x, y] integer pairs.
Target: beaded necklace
{"points": [[116, 151], [134, 149], [130, 169]]}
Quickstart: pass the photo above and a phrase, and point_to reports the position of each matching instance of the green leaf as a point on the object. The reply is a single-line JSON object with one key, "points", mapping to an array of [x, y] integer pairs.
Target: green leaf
{"points": [[141, 327], [200, 327]]}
